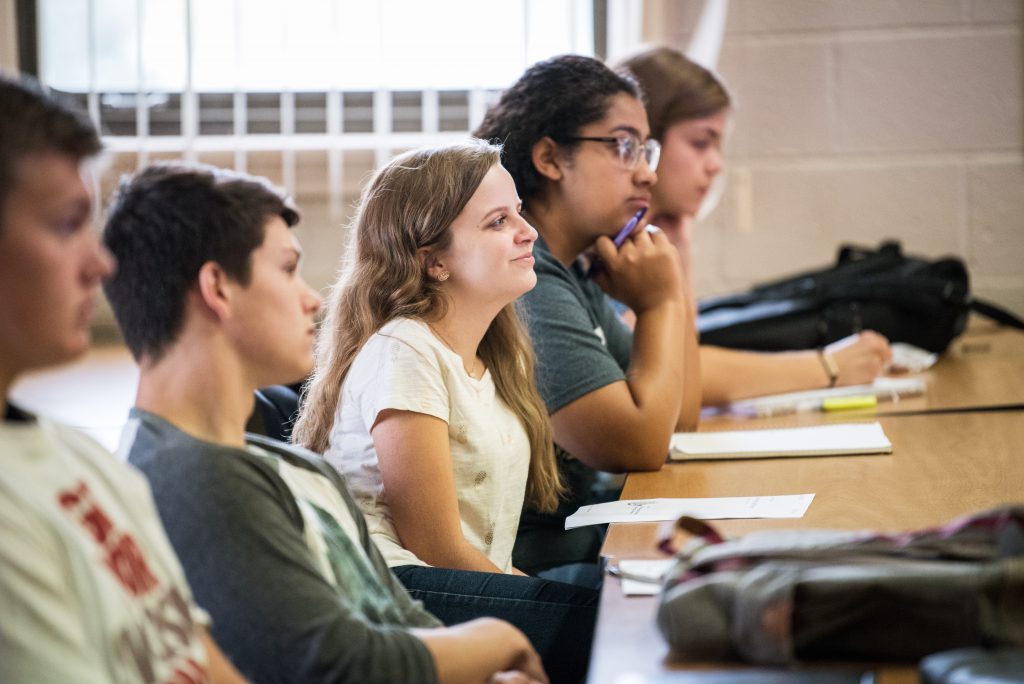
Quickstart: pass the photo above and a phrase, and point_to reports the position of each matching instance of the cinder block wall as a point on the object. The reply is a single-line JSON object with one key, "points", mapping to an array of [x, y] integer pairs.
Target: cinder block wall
{"points": [[859, 120], [856, 121]]}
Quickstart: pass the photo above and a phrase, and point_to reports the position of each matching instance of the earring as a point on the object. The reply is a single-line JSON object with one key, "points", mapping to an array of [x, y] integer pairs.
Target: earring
{"points": [[443, 276]]}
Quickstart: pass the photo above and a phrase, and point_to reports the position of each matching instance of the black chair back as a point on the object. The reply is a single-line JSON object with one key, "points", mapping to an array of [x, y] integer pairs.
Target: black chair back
{"points": [[274, 414]]}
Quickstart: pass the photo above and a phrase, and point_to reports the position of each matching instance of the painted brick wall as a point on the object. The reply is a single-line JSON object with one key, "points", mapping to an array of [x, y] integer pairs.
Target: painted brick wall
{"points": [[858, 120]]}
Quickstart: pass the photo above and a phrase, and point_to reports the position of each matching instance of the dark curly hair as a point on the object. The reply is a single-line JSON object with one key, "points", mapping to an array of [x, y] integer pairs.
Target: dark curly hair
{"points": [[554, 98]]}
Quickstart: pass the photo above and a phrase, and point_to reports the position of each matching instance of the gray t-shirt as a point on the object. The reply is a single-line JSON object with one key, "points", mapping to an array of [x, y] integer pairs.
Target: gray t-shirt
{"points": [[293, 594], [580, 344]]}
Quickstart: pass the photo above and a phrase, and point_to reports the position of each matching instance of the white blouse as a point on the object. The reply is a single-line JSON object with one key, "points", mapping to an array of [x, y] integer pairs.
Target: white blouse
{"points": [[403, 366]]}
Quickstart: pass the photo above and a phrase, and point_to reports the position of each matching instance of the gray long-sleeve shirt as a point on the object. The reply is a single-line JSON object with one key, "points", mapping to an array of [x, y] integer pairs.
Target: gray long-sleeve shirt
{"points": [[289, 603]]}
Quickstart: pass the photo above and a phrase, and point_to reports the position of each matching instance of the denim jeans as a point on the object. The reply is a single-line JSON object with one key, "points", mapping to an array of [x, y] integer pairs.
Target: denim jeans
{"points": [[557, 618], [544, 547], [584, 574]]}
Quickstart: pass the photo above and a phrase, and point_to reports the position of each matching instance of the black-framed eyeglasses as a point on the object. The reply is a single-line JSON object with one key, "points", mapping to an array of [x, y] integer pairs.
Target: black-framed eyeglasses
{"points": [[629, 147]]}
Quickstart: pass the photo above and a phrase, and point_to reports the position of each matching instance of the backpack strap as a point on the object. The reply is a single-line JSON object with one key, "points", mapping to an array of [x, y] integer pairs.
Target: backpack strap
{"points": [[996, 313]]}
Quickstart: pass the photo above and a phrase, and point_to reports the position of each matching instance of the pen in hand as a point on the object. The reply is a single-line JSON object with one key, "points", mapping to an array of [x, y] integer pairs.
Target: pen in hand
{"points": [[628, 228], [621, 236]]}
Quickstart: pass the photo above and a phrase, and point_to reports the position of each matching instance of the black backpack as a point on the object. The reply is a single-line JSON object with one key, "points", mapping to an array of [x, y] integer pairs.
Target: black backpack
{"points": [[907, 299]]}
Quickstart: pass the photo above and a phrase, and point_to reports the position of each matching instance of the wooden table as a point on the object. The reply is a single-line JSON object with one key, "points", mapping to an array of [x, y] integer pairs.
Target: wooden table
{"points": [[943, 465], [983, 368]]}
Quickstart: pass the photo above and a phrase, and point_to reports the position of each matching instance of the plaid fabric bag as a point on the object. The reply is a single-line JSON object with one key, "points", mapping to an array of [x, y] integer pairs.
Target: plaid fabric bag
{"points": [[782, 596]]}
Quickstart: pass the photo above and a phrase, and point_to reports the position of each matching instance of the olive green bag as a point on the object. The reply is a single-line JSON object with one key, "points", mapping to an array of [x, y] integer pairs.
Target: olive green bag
{"points": [[784, 596]]}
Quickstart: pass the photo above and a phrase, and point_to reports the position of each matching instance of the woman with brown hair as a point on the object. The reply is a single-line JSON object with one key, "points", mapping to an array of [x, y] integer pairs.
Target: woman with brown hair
{"points": [[423, 395], [688, 108]]}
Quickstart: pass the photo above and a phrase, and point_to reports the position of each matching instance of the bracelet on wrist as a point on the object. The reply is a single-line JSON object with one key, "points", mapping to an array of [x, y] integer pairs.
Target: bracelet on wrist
{"points": [[828, 362]]}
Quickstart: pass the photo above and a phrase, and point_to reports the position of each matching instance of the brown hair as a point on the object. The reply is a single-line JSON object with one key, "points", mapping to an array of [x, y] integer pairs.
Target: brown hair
{"points": [[171, 218], [33, 121], [409, 204], [676, 88]]}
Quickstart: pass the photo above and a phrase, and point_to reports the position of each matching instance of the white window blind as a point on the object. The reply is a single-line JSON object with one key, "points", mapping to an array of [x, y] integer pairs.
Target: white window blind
{"points": [[241, 76]]}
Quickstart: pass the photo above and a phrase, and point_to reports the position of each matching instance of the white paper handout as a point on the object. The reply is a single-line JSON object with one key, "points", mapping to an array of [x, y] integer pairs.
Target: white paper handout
{"points": [[818, 440], [720, 508]]}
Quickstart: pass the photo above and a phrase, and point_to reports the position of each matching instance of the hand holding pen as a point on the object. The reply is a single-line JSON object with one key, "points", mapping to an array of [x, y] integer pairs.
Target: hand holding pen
{"points": [[630, 226], [619, 238], [641, 272]]}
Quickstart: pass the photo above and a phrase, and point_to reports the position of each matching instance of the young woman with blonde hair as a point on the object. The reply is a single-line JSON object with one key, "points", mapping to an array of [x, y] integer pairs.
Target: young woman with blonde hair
{"points": [[423, 394], [688, 108]]}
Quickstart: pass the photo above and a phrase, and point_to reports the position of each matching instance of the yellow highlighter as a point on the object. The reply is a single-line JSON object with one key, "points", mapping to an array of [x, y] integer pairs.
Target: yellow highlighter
{"points": [[849, 403]]}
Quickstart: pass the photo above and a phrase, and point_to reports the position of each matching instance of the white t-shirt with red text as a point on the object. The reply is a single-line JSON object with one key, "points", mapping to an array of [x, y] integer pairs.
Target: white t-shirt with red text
{"points": [[90, 589]]}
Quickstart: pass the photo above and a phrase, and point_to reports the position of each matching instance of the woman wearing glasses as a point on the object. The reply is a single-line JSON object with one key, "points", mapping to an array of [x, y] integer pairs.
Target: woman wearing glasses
{"points": [[576, 141]]}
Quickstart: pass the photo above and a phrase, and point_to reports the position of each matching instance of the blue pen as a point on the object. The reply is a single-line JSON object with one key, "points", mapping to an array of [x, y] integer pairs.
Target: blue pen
{"points": [[628, 228], [619, 238]]}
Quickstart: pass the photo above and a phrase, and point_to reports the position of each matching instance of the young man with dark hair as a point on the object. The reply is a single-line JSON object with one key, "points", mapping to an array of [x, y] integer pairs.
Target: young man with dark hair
{"points": [[90, 590], [212, 306]]}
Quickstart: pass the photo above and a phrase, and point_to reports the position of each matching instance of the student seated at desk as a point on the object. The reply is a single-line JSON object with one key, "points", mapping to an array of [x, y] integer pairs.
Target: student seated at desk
{"points": [[577, 144], [423, 395], [90, 590], [269, 536], [688, 108]]}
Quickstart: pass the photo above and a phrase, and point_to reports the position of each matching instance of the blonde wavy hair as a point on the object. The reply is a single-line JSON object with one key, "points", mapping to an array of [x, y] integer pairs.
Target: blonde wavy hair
{"points": [[409, 204]]}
